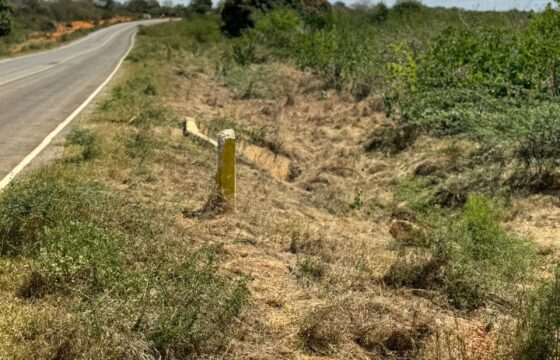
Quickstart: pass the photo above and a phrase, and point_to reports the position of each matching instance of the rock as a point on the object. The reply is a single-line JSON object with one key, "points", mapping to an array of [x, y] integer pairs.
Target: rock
{"points": [[405, 231]]}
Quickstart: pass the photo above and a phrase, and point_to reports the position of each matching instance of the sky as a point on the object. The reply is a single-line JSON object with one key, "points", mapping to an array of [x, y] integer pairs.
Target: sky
{"points": [[486, 4]]}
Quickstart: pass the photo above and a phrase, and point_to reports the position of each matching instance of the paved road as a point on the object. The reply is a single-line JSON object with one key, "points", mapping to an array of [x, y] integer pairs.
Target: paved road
{"points": [[39, 91]]}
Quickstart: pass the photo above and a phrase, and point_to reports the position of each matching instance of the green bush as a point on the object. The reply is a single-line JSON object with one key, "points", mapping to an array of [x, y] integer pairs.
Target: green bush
{"points": [[478, 81], [344, 59], [380, 13], [203, 30], [539, 144], [472, 258], [277, 29], [483, 259], [407, 5], [200, 6], [539, 47], [243, 51], [87, 139]]}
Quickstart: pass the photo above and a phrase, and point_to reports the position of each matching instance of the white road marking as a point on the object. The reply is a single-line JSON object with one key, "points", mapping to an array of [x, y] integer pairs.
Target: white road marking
{"points": [[46, 141]]}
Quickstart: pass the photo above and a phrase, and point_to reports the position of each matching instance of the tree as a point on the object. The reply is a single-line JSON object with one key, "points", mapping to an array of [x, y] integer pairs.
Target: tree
{"points": [[238, 15], [105, 4], [381, 13], [541, 44], [200, 6], [6, 11], [339, 5], [142, 6]]}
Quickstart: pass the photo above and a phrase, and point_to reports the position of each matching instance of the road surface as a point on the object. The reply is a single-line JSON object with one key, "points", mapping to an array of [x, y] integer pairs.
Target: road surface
{"points": [[38, 92]]}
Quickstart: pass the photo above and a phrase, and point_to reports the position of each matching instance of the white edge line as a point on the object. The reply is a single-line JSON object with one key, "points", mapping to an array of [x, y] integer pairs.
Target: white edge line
{"points": [[47, 140]]}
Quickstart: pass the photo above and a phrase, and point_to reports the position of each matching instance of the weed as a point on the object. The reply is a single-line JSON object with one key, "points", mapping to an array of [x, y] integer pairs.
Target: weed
{"points": [[358, 202], [88, 141], [312, 268]]}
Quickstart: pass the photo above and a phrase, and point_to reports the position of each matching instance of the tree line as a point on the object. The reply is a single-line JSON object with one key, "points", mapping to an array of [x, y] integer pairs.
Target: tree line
{"points": [[40, 15]]}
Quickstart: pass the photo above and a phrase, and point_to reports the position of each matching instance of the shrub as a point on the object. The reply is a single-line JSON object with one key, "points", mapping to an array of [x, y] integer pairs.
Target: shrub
{"points": [[200, 6], [481, 82], [407, 5], [344, 59], [204, 30], [244, 52], [380, 13], [239, 15], [539, 145], [471, 258], [540, 46], [87, 139], [278, 28]]}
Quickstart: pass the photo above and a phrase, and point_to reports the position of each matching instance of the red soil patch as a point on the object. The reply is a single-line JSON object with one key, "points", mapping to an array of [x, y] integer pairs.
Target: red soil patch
{"points": [[39, 38], [67, 28]]}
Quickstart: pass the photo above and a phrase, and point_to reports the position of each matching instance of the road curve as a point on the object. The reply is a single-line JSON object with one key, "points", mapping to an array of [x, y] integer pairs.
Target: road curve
{"points": [[38, 92]]}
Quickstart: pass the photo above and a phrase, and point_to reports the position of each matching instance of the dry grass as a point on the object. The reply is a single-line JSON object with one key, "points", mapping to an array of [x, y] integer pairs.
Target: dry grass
{"points": [[316, 245]]}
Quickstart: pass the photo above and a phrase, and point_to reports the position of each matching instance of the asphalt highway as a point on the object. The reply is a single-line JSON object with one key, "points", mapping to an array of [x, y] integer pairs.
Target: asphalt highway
{"points": [[39, 92]]}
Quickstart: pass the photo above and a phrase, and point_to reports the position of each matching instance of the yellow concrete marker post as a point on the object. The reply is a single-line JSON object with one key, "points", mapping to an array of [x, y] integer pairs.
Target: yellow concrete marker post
{"points": [[225, 176]]}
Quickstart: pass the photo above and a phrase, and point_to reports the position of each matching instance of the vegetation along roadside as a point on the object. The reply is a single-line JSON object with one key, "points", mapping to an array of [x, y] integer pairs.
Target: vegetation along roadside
{"points": [[417, 216]]}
